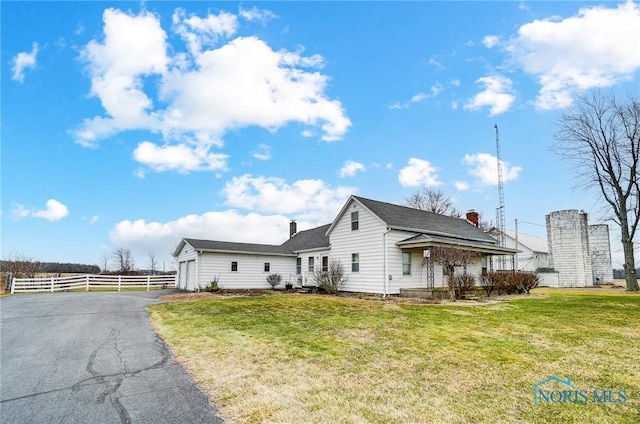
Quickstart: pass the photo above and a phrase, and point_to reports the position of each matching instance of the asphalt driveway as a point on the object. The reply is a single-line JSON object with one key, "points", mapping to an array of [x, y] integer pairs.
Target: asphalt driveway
{"points": [[91, 358]]}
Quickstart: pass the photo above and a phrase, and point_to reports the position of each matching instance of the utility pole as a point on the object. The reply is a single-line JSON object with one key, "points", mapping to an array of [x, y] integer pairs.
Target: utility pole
{"points": [[500, 211], [515, 257]]}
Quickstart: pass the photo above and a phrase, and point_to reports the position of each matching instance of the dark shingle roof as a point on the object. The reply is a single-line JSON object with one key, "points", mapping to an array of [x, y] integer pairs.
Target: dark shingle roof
{"points": [[422, 221], [308, 239], [229, 246]]}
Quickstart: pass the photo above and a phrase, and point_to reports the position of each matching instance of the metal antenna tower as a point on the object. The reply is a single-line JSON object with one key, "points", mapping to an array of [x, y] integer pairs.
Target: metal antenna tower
{"points": [[500, 211]]}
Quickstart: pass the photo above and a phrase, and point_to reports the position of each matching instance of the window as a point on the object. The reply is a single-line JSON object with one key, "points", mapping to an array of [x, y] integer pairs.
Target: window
{"points": [[311, 264], [234, 266], [325, 263], [298, 266], [267, 267], [406, 263], [354, 221], [355, 262]]}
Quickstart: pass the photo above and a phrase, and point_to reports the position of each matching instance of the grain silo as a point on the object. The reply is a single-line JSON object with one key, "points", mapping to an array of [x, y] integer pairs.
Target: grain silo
{"points": [[600, 250], [570, 256]]}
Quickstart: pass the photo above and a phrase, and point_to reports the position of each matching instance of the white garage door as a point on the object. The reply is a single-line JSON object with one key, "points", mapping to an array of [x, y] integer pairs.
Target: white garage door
{"points": [[191, 275], [182, 276]]}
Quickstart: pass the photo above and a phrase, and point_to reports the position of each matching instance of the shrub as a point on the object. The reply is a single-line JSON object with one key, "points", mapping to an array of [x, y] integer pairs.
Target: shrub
{"points": [[332, 280], [512, 282], [274, 280], [487, 284], [526, 281], [214, 286], [462, 284]]}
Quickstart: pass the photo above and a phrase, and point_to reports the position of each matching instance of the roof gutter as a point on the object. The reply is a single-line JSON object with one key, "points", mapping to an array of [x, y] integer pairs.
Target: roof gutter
{"points": [[491, 250]]}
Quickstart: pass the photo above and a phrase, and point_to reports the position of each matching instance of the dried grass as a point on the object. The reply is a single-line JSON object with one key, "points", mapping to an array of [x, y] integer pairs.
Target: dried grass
{"points": [[327, 359]]}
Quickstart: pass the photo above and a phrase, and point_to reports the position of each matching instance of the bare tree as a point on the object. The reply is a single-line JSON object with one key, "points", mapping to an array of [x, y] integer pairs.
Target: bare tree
{"points": [[153, 263], [333, 279], [433, 201], [437, 202], [450, 258], [601, 138], [123, 259], [17, 265], [105, 263]]}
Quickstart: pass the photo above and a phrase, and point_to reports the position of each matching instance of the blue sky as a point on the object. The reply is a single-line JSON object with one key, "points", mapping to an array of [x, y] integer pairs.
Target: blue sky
{"points": [[135, 124]]}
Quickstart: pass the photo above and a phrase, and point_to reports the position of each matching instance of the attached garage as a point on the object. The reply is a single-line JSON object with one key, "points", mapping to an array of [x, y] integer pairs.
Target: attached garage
{"points": [[234, 265]]}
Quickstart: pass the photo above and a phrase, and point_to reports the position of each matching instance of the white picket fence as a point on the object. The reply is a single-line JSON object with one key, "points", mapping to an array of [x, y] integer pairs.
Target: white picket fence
{"points": [[89, 281]]}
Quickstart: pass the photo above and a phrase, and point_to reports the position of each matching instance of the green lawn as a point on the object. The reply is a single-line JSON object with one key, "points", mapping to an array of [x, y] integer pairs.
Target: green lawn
{"points": [[325, 359]]}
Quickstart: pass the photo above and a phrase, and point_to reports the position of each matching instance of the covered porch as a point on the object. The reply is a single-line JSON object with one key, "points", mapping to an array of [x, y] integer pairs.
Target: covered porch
{"points": [[440, 256]]}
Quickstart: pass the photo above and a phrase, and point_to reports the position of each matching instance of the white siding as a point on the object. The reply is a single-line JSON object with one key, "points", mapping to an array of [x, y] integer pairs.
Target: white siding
{"points": [[307, 276], [418, 277], [367, 241], [528, 259], [250, 274]]}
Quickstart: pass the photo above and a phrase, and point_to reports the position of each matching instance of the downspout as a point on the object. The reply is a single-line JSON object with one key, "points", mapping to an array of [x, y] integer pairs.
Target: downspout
{"points": [[385, 277], [197, 282]]}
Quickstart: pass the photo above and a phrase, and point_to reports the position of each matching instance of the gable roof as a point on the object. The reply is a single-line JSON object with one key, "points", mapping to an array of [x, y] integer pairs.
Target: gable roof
{"points": [[419, 221], [536, 244], [315, 238], [228, 246]]}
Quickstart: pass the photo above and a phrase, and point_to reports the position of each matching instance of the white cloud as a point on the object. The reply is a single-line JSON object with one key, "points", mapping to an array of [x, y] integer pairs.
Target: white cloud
{"points": [[54, 211], [91, 220], [205, 92], [498, 95], [198, 32], [229, 225], [247, 83], [22, 61], [596, 48], [310, 200], [350, 168], [271, 202], [461, 186], [523, 6], [455, 82], [485, 167], [433, 61], [20, 211], [419, 97], [134, 46], [418, 172], [255, 14], [490, 41], [180, 158], [263, 152]]}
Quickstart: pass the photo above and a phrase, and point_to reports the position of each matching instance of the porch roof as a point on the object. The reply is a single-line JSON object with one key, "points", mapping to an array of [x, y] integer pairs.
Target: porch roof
{"points": [[426, 241]]}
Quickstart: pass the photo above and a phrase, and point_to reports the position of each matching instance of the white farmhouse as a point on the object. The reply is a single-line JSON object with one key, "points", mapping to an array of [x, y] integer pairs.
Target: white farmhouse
{"points": [[383, 247]]}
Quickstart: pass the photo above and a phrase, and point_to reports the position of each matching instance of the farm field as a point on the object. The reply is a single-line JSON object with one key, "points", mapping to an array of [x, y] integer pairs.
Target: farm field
{"points": [[319, 359]]}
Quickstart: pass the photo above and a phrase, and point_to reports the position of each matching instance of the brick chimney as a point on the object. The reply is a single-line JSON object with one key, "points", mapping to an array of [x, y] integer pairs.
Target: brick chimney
{"points": [[293, 228], [473, 217]]}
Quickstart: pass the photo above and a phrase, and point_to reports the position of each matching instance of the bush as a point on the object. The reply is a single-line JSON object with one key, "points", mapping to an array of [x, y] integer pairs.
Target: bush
{"points": [[487, 284], [463, 284], [274, 280], [525, 281], [512, 282], [332, 280], [214, 286]]}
